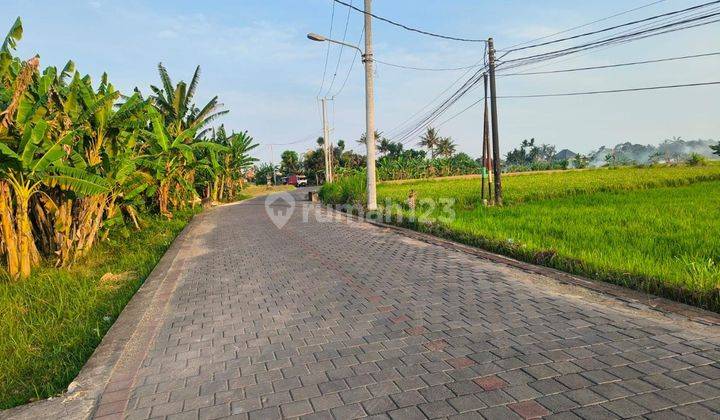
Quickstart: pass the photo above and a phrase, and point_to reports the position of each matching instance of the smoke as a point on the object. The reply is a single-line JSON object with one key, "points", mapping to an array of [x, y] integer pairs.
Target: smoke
{"points": [[668, 151]]}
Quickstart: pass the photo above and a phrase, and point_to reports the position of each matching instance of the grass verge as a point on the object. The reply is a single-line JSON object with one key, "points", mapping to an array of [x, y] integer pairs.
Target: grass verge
{"points": [[52, 322]]}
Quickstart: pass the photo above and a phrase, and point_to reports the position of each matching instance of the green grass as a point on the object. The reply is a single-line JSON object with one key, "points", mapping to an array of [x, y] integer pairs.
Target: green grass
{"points": [[51, 323], [652, 229]]}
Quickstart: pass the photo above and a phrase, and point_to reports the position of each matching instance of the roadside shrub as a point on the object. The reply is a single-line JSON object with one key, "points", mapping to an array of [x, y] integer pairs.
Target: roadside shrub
{"points": [[347, 190]]}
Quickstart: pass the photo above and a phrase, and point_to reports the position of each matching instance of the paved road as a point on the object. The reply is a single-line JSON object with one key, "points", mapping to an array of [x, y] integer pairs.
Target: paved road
{"points": [[345, 320]]}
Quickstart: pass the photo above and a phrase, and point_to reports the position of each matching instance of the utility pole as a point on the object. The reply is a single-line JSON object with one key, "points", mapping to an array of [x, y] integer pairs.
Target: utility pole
{"points": [[272, 166], [369, 110], [486, 159], [326, 143], [495, 134]]}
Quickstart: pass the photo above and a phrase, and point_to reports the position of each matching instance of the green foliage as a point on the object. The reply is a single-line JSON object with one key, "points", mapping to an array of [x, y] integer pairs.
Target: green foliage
{"points": [[351, 189], [290, 162], [696, 159], [580, 161], [529, 153], [716, 149]]}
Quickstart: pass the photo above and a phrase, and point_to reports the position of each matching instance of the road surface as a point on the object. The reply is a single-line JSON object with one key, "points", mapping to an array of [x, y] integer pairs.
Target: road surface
{"points": [[330, 319]]}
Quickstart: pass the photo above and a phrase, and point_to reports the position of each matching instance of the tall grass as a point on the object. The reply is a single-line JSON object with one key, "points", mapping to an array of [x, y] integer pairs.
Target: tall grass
{"points": [[349, 190]]}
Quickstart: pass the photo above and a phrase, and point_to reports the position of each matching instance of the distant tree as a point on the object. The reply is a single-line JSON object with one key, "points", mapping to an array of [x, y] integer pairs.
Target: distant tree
{"points": [[390, 148], [581, 161], [522, 155], [262, 172], [413, 154], [378, 138], [290, 162], [544, 153], [383, 146], [430, 140], [446, 147], [716, 149]]}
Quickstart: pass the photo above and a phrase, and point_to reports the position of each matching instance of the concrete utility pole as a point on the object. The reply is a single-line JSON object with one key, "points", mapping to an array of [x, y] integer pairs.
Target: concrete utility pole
{"points": [[495, 134], [369, 110], [272, 166], [367, 57], [326, 144]]}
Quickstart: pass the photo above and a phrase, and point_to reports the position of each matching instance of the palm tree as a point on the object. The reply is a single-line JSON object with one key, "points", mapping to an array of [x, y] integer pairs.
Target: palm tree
{"points": [[430, 140], [180, 113], [378, 138], [384, 146], [446, 147]]}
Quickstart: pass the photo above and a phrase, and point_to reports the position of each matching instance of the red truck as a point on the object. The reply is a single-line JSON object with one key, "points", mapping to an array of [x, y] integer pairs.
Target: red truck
{"points": [[297, 180]]}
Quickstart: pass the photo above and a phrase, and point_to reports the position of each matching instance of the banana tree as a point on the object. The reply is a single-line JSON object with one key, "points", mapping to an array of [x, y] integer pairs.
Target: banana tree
{"points": [[37, 161], [175, 103], [169, 160]]}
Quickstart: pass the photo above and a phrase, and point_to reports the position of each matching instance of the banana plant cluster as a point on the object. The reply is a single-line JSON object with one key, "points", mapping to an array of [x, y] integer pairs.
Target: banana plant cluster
{"points": [[78, 160]]}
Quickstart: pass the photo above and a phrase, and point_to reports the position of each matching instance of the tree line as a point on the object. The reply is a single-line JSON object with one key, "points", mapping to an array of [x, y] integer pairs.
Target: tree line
{"points": [[79, 159]]}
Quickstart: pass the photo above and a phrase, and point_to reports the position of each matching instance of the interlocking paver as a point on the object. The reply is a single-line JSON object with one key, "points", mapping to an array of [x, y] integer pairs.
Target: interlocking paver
{"points": [[336, 319]]}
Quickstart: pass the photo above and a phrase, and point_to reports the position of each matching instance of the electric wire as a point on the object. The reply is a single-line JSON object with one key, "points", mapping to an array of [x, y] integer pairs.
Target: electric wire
{"points": [[634, 36], [651, 18], [408, 28], [427, 68], [584, 25], [397, 128], [337, 65], [405, 136], [608, 66], [599, 92], [554, 60], [352, 64], [327, 50]]}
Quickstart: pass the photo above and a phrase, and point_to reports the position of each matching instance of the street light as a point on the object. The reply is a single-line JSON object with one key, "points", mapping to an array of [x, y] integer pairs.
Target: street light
{"points": [[369, 104], [322, 38]]}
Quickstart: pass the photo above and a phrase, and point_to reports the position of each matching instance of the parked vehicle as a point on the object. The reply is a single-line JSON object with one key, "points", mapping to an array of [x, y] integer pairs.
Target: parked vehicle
{"points": [[297, 180]]}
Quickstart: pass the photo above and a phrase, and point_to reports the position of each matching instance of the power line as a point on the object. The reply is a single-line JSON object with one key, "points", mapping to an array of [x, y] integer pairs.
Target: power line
{"points": [[596, 48], [427, 68], [337, 65], [303, 140], [577, 94], [654, 31], [327, 51], [402, 124], [400, 25], [585, 25], [597, 92], [615, 27], [352, 64], [632, 63]]}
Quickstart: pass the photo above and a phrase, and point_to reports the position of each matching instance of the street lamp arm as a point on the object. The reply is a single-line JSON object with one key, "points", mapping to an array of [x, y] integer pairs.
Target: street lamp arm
{"points": [[321, 38], [347, 45]]}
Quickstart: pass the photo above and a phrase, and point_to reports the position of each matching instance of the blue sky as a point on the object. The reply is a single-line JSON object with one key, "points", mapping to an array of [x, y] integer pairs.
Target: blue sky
{"points": [[255, 56]]}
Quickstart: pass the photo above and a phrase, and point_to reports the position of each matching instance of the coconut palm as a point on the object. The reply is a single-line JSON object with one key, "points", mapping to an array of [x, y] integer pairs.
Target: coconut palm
{"points": [[445, 147], [430, 140]]}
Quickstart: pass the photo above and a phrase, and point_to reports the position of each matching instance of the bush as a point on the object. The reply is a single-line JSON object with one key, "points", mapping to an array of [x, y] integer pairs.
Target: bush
{"points": [[696, 159], [348, 190]]}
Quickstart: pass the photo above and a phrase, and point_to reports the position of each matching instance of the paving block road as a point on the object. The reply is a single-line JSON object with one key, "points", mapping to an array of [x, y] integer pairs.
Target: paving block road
{"points": [[328, 319]]}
